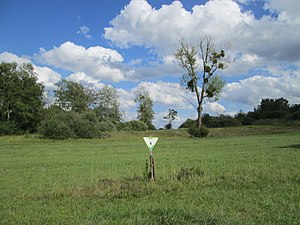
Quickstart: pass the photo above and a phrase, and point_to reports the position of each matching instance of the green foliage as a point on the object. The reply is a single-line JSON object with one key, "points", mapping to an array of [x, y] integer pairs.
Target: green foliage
{"points": [[201, 132], [271, 112], [134, 125], [59, 124], [151, 126], [145, 111], [9, 128], [168, 126], [54, 128], [220, 121], [20, 98], [72, 96], [294, 116], [107, 126], [188, 123], [106, 105], [214, 86]]}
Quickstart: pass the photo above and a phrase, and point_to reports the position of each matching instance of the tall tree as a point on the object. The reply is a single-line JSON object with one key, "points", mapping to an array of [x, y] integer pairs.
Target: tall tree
{"points": [[145, 112], [170, 117], [20, 96], [107, 106], [201, 63], [72, 96]]}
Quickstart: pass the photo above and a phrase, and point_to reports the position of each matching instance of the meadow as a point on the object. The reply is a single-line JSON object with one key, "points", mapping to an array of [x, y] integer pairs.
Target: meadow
{"points": [[247, 175]]}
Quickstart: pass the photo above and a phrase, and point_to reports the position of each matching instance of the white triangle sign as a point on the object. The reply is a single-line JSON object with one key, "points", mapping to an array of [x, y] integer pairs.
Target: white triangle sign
{"points": [[150, 142]]}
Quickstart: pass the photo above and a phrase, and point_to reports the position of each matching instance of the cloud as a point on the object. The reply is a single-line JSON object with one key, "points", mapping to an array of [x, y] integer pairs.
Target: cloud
{"points": [[84, 30], [250, 91], [48, 77], [287, 9], [9, 58], [97, 63], [269, 39], [168, 94], [214, 108]]}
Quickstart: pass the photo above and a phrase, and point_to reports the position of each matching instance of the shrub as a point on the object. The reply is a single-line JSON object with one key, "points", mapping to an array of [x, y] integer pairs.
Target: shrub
{"points": [[151, 126], [60, 124], [220, 121], [9, 128], [188, 123], [55, 129], [194, 131], [168, 126], [134, 125], [90, 116], [294, 116], [107, 126]]}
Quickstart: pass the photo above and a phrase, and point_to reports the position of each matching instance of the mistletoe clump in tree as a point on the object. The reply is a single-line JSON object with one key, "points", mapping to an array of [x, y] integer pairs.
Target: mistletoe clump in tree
{"points": [[200, 63]]}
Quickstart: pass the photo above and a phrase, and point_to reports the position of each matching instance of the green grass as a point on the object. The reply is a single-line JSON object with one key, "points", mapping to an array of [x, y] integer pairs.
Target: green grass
{"points": [[245, 179]]}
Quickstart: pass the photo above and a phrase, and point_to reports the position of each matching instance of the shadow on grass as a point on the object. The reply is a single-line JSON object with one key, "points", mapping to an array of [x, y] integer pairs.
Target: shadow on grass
{"points": [[297, 146]]}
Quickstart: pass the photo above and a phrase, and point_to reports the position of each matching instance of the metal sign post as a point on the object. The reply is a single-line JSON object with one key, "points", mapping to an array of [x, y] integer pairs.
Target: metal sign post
{"points": [[150, 142]]}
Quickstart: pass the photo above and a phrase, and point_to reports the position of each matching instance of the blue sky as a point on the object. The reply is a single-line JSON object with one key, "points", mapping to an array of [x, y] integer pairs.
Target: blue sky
{"points": [[131, 44]]}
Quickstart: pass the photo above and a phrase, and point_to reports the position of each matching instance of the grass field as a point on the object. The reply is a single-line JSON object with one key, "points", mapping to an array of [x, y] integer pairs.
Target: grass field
{"points": [[234, 177]]}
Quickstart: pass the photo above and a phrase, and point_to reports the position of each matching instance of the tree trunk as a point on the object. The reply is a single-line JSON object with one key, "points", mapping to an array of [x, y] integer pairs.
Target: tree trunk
{"points": [[199, 119], [200, 101]]}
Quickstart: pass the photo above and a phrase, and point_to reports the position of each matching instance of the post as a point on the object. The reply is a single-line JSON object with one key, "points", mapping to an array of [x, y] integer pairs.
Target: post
{"points": [[152, 170]]}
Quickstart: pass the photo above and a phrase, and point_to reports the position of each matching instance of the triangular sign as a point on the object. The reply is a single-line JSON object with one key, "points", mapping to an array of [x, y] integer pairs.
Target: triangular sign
{"points": [[150, 142]]}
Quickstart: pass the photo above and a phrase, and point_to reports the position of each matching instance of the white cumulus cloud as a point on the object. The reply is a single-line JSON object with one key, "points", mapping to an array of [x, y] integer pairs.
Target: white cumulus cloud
{"points": [[97, 62]]}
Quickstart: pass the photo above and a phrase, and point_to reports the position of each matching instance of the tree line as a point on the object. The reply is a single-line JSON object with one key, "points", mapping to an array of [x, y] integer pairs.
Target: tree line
{"points": [[268, 112], [77, 111]]}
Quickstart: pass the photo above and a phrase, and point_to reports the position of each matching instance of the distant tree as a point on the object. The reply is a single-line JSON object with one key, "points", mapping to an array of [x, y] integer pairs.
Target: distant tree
{"points": [[244, 118], [107, 106], [188, 123], [20, 97], [172, 115], [200, 63], [145, 112], [273, 108], [72, 96]]}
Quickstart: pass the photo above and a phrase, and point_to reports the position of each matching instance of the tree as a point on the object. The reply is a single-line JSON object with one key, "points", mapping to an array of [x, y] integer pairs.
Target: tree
{"points": [[170, 117], [107, 106], [20, 97], [145, 112], [72, 96], [273, 108], [200, 77]]}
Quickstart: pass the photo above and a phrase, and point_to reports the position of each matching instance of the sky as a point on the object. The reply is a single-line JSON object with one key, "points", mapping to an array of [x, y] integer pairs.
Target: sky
{"points": [[130, 44]]}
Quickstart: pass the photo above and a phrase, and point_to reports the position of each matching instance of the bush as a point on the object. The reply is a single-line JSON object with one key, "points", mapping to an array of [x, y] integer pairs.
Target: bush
{"points": [[194, 131], [9, 128], [293, 116], [134, 125], [55, 129], [220, 121], [168, 126], [151, 126], [59, 124], [274, 122], [188, 123], [107, 126]]}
